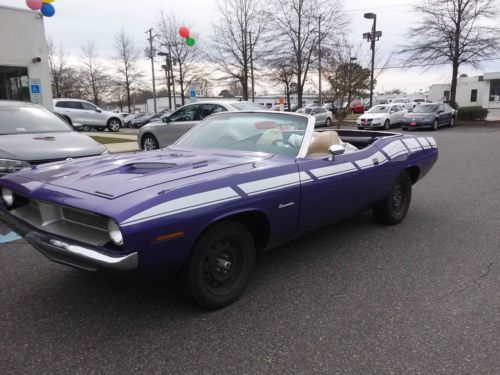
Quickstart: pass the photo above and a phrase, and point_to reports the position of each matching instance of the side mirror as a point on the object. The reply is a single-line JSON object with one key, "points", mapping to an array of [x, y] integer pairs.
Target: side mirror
{"points": [[98, 110], [165, 119], [335, 150]]}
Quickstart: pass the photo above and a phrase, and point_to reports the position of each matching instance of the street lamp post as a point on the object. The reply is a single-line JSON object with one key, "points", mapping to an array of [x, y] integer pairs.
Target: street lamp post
{"points": [[151, 55], [372, 38], [166, 67], [319, 59], [251, 65]]}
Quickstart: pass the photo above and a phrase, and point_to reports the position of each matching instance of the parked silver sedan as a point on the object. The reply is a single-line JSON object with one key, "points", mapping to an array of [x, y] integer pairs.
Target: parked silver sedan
{"points": [[31, 135], [171, 127], [323, 116]]}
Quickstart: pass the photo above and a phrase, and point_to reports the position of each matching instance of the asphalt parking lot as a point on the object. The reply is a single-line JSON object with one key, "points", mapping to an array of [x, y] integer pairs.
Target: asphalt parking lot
{"points": [[422, 297]]}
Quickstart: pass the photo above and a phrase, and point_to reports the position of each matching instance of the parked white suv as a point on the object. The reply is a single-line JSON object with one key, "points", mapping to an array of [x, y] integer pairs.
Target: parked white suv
{"points": [[87, 114], [404, 102]]}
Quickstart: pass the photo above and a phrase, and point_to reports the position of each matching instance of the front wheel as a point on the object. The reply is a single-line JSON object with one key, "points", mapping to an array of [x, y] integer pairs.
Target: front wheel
{"points": [[435, 125], [452, 122], [328, 122], [114, 125], [150, 143], [387, 124], [220, 265], [394, 208]]}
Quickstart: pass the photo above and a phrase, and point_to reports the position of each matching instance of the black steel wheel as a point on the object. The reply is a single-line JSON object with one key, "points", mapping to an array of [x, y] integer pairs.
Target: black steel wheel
{"points": [[394, 208], [220, 265]]}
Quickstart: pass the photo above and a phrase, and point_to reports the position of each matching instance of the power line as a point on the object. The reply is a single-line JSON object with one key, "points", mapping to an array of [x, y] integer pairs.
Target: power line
{"points": [[433, 64]]}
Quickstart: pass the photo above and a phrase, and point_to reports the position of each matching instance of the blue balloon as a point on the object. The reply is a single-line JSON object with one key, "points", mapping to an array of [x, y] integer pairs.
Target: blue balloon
{"points": [[48, 10]]}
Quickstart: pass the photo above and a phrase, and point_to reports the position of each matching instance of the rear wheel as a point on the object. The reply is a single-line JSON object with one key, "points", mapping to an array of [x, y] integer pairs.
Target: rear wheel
{"points": [[435, 125], [149, 143], [394, 208], [220, 265], [114, 125], [387, 124]]}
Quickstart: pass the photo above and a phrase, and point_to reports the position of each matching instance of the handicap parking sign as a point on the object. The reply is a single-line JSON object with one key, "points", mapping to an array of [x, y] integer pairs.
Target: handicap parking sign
{"points": [[35, 89]]}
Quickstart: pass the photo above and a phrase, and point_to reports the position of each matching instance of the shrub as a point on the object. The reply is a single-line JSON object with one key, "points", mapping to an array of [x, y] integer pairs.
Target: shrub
{"points": [[472, 113]]}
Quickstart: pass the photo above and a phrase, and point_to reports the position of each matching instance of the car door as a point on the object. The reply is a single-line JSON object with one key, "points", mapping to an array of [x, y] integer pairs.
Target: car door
{"points": [[401, 113], [334, 189], [92, 114], [177, 124], [442, 115]]}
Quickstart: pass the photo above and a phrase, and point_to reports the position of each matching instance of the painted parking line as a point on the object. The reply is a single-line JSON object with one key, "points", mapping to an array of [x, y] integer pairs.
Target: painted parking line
{"points": [[9, 237]]}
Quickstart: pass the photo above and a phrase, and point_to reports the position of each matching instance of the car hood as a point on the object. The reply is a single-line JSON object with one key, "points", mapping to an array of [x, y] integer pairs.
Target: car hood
{"points": [[48, 146], [113, 176], [372, 115], [419, 115]]}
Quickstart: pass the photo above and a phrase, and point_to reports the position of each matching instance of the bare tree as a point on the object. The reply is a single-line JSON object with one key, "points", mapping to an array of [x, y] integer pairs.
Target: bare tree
{"points": [[183, 56], [450, 31], [302, 24], [96, 78], [65, 79], [127, 56], [238, 37], [281, 71]]}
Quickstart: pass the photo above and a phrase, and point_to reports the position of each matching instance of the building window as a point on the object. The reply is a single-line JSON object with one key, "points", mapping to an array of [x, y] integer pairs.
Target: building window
{"points": [[14, 83], [473, 96], [495, 90]]}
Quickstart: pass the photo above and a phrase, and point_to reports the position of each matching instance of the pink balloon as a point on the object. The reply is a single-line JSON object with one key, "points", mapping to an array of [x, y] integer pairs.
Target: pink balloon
{"points": [[34, 4]]}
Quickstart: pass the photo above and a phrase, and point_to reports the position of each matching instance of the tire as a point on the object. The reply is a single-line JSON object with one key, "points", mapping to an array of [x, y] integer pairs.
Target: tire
{"points": [[394, 208], [328, 122], [387, 124], [452, 122], [149, 143], [435, 125], [220, 265], [114, 125]]}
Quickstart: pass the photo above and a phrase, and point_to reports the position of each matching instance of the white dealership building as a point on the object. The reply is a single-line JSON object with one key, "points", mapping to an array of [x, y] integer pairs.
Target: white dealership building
{"points": [[479, 91], [24, 70]]}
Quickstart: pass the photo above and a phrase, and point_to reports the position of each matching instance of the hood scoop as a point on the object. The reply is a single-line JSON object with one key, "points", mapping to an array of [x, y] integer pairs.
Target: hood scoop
{"points": [[146, 167]]}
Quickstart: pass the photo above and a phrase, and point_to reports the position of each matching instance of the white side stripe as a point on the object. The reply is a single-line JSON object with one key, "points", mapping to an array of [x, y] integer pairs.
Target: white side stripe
{"points": [[424, 142], [376, 159], [333, 170], [270, 184], [395, 149], [432, 141], [412, 144], [190, 202]]}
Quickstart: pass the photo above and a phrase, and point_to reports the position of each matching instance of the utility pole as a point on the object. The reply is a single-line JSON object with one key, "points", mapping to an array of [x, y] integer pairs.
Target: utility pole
{"points": [[251, 67], [151, 55], [319, 57]]}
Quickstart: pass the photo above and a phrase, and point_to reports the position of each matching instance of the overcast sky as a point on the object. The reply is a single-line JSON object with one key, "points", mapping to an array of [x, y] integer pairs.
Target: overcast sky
{"points": [[77, 21]]}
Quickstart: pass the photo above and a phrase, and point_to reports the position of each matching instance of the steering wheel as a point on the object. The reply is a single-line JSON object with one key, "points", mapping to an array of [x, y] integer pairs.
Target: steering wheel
{"points": [[281, 143]]}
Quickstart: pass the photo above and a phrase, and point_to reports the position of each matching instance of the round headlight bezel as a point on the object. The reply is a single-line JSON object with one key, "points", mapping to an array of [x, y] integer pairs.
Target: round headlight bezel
{"points": [[7, 197], [115, 233]]}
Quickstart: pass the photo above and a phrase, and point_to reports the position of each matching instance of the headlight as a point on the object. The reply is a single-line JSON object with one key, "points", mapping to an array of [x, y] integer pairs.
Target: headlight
{"points": [[7, 197], [9, 166], [114, 232]]}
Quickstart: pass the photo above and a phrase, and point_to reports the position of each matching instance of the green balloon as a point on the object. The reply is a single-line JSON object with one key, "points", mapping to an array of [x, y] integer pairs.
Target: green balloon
{"points": [[190, 42]]}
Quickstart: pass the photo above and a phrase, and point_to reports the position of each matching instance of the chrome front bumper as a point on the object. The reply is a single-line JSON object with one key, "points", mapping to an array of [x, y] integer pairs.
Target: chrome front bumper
{"points": [[75, 255]]}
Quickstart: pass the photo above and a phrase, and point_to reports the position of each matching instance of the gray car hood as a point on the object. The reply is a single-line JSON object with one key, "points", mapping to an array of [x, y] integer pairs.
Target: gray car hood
{"points": [[48, 146]]}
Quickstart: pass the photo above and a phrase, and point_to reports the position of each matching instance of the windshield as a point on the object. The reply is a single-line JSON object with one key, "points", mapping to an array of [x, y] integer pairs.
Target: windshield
{"points": [[246, 106], [30, 120], [398, 101], [274, 133], [425, 108], [379, 109]]}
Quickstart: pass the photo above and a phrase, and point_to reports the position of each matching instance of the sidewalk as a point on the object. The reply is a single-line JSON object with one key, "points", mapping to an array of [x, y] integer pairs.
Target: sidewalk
{"points": [[129, 141]]}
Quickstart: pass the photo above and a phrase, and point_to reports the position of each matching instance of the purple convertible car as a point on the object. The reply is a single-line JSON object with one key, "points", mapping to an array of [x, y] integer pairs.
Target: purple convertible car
{"points": [[237, 183]]}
